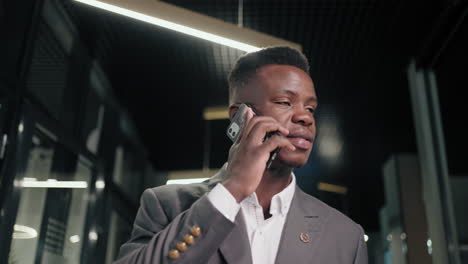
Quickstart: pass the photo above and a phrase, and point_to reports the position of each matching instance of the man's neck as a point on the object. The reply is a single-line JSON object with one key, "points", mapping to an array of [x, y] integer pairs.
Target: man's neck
{"points": [[273, 182]]}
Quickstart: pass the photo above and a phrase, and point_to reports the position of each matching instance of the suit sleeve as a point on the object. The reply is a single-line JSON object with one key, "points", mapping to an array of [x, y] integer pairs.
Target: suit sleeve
{"points": [[154, 235], [361, 252]]}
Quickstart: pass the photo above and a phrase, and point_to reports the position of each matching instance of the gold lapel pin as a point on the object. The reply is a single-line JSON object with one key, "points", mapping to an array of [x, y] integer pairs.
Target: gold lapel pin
{"points": [[304, 237]]}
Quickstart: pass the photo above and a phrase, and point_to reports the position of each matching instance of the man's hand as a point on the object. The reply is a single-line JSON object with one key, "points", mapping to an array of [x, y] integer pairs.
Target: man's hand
{"points": [[249, 154]]}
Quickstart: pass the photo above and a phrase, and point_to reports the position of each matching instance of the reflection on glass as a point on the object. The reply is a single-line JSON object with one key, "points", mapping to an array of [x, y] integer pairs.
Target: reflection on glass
{"points": [[77, 214], [119, 232], [52, 208], [31, 204], [128, 172]]}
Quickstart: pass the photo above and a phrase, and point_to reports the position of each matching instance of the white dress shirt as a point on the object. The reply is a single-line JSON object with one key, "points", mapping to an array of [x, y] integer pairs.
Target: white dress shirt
{"points": [[264, 234]]}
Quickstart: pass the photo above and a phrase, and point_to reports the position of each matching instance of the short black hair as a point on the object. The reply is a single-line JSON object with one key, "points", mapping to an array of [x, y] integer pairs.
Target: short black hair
{"points": [[248, 64]]}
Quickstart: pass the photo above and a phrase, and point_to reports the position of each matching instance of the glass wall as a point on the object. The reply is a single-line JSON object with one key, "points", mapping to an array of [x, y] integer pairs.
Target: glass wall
{"points": [[450, 73], [53, 197], [119, 233], [32, 202], [435, 80]]}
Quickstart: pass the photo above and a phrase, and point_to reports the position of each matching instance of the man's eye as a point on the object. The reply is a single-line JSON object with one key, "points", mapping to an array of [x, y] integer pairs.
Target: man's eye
{"points": [[312, 110], [284, 103]]}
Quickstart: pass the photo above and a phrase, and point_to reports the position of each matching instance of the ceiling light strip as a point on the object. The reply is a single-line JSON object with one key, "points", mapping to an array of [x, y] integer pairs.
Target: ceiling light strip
{"points": [[173, 26], [186, 181], [53, 184]]}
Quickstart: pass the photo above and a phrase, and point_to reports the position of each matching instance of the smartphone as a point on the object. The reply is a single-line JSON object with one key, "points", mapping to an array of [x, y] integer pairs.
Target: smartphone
{"points": [[236, 127], [237, 124]]}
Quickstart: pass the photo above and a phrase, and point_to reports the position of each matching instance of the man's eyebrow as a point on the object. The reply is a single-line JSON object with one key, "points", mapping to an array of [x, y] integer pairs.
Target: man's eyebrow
{"points": [[311, 99]]}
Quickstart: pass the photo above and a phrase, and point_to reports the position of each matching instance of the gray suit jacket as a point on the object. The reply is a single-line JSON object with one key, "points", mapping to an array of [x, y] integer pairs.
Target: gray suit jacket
{"points": [[167, 214]]}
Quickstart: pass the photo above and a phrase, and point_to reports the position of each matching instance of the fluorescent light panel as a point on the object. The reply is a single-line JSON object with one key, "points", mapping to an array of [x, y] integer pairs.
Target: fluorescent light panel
{"points": [[186, 181], [51, 183], [170, 25]]}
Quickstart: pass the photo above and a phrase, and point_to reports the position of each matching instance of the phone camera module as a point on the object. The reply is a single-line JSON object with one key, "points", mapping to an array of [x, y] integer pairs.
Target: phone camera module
{"points": [[233, 130]]}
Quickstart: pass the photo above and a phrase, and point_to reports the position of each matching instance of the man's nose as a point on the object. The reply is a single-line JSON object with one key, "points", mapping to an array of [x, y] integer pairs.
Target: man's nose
{"points": [[303, 116]]}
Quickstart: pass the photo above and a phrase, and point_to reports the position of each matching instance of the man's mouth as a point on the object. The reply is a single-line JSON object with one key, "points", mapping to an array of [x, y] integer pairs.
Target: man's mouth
{"points": [[300, 142]]}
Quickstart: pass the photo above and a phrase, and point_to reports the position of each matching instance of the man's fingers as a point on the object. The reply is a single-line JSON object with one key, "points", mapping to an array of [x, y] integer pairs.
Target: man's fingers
{"points": [[277, 141], [254, 120], [261, 129]]}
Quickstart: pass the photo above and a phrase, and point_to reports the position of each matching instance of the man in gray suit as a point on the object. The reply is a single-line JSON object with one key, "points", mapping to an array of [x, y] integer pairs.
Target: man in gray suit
{"points": [[248, 212]]}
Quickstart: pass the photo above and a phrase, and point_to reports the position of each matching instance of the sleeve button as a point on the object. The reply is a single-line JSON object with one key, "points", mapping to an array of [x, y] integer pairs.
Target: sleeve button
{"points": [[189, 239], [181, 246], [174, 254], [196, 231]]}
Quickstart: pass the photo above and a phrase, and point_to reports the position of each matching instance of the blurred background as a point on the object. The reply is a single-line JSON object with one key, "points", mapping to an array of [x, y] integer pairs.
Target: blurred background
{"points": [[96, 106]]}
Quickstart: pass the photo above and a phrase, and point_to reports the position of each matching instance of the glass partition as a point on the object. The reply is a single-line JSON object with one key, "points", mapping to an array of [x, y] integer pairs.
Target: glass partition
{"points": [[52, 206], [128, 172], [119, 233]]}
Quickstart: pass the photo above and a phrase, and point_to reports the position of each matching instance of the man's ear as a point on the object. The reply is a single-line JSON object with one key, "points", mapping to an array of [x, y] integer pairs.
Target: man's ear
{"points": [[232, 111]]}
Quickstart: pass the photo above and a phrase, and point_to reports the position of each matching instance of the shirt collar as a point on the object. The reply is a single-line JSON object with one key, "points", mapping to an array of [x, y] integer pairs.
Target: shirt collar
{"points": [[280, 202]]}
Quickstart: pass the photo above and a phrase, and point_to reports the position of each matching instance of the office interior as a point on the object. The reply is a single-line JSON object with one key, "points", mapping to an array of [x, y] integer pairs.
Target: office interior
{"points": [[96, 106]]}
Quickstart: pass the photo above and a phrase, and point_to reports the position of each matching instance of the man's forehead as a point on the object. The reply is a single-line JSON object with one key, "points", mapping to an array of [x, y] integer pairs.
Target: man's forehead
{"points": [[282, 75], [258, 89], [276, 78]]}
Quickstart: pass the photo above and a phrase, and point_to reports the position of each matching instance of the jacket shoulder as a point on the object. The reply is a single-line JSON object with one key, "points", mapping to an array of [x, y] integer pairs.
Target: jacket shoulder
{"points": [[175, 198], [333, 218]]}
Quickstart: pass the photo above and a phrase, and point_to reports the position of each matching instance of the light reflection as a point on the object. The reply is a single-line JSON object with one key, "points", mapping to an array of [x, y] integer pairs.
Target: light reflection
{"points": [[24, 232], [93, 236], [403, 236], [100, 184], [75, 239], [330, 147], [429, 246], [330, 144]]}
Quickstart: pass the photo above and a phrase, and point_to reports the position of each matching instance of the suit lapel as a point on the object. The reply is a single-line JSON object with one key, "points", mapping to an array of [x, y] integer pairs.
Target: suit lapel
{"points": [[305, 216], [236, 247]]}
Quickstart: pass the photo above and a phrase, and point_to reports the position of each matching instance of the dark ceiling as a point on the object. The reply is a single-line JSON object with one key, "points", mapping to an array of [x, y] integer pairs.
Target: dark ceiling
{"points": [[358, 51]]}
